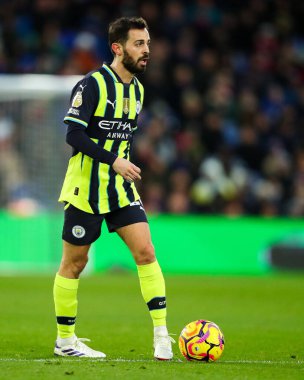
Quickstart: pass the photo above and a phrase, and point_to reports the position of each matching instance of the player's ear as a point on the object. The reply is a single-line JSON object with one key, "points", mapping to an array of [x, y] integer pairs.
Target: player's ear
{"points": [[117, 48]]}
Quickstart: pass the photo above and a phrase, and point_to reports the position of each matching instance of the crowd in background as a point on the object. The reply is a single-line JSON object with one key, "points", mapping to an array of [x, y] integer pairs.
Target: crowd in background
{"points": [[222, 127]]}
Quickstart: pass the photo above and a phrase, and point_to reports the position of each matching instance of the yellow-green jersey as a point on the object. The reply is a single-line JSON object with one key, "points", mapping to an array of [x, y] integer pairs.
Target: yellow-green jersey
{"points": [[108, 109]]}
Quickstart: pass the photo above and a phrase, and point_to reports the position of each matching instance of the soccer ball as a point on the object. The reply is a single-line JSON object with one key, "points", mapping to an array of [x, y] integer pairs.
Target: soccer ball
{"points": [[201, 341]]}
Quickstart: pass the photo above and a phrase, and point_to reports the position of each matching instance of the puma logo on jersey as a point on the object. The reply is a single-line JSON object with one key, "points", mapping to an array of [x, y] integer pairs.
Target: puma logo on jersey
{"points": [[112, 103]]}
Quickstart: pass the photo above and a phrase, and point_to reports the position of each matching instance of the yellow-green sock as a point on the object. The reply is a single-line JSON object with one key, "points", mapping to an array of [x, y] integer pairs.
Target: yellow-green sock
{"points": [[153, 289], [65, 299]]}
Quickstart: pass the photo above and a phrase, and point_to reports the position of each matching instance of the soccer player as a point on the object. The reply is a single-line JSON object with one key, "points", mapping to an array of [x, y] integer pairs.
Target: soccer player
{"points": [[99, 185]]}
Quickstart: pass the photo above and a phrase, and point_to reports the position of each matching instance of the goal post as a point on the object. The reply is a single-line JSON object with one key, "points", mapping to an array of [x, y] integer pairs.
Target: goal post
{"points": [[35, 86], [33, 152]]}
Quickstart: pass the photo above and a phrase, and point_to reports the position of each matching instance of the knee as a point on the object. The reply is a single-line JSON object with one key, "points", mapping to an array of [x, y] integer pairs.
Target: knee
{"points": [[145, 255], [73, 268], [78, 265]]}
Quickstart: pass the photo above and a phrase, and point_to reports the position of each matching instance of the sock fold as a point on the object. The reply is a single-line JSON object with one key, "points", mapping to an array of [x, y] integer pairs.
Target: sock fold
{"points": [[66, 283]]}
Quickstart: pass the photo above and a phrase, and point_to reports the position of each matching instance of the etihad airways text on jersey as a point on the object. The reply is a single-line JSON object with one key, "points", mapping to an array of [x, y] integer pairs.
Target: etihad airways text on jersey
{"points": [[117, 125]]}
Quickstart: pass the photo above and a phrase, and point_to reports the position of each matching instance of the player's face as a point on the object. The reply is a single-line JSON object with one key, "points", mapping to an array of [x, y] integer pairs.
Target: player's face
{"points": [[136, 51]]}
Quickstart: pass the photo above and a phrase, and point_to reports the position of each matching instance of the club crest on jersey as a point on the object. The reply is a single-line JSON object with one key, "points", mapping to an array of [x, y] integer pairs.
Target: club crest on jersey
{"points": [[77, 101], [126, 105]]}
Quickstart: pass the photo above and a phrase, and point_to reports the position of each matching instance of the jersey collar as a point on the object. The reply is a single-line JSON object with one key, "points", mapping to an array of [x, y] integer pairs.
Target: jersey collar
{"points": [[114, 74]]}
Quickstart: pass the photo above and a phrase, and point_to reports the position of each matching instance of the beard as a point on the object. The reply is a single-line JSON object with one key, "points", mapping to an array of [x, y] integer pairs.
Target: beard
{"points": [[131, 65]]}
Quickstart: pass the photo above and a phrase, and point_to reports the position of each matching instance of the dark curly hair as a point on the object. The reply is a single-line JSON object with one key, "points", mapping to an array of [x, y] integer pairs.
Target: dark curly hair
{"points": [[119, 29]]}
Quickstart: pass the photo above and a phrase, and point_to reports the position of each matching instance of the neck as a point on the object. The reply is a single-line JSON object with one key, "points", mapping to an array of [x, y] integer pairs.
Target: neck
{"points": [[123, 73]]}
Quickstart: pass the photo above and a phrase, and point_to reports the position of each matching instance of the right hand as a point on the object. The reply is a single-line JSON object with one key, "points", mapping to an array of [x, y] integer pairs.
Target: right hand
{"points": [[126, 169]]}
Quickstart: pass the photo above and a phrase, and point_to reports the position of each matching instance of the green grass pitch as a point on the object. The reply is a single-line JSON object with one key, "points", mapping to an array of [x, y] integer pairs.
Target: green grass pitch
{"points": [[262, 319]]}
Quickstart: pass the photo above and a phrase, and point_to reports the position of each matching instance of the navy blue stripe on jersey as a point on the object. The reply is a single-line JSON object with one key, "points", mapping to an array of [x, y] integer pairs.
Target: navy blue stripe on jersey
{"points": [[94, 186], [112, 192], [137, 97], [127, 185]]}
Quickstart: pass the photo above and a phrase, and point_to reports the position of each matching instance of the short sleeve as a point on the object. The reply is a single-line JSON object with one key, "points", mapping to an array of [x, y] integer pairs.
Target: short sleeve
{"points": [[83, 102]]}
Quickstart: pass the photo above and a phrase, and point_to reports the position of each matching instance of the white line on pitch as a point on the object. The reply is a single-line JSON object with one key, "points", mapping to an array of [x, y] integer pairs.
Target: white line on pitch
{"points": [[121, 360]]}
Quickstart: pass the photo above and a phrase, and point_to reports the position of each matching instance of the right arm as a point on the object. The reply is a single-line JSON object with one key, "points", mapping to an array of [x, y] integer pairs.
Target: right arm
{"points": [[79, 140]]}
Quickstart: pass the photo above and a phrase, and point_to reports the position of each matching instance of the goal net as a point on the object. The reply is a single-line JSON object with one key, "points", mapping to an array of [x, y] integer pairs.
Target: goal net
{"points": [[33, 152]]}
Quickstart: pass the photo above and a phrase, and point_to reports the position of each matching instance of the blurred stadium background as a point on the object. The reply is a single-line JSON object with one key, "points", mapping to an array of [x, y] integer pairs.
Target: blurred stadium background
{"points": [[220, 141]]}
